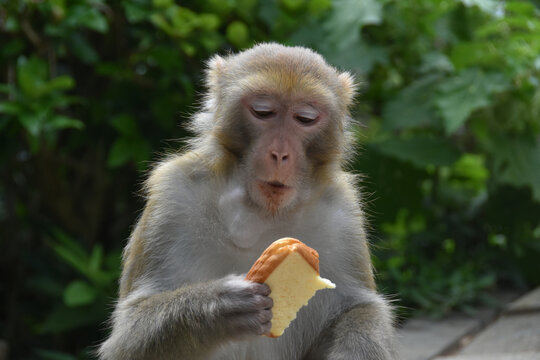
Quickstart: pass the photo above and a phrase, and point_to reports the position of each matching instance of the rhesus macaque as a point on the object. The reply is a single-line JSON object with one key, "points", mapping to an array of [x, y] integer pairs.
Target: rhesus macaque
{"points": [[266, 163]]}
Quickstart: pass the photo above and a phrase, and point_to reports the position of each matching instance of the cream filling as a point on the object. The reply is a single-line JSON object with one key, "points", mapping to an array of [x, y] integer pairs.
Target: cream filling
{"points": [[293, 283]]}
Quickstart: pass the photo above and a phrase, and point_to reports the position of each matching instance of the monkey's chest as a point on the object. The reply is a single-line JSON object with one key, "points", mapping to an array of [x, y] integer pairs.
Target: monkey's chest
{"points": [[262, 348]]}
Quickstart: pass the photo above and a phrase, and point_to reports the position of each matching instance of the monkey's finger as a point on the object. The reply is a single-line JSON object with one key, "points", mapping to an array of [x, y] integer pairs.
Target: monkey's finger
{"points": [[265, 316], [260, 289], [263, 302], [251, 304], [254, 323], [266, 327]]}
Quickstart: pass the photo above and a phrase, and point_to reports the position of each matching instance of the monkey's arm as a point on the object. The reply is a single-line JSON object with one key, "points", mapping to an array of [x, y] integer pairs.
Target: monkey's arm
{"points": [[164, 312], [189, 322], [363, 332]]}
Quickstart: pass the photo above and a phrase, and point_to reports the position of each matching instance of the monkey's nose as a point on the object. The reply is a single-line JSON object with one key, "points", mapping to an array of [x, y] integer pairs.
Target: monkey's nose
{"points": [[279, 157]]}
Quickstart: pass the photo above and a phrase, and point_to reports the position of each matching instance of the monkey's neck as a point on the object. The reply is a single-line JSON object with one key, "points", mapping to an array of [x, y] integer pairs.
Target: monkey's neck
{"points": [[245, 226]]}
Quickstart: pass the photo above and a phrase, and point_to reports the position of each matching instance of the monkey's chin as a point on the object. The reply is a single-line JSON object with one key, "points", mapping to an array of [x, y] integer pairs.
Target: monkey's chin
{"points": [[274, 197]]}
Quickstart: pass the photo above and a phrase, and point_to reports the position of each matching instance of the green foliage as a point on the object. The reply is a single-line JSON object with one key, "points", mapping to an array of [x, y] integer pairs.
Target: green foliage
{"points": [[84, 299], [35, 101], [89, 90], [470, 90], [420, 150]]}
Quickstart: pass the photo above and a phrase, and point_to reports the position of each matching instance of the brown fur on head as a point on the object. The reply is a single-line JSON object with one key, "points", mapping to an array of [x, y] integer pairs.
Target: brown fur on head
{"points": [[295, 71]]}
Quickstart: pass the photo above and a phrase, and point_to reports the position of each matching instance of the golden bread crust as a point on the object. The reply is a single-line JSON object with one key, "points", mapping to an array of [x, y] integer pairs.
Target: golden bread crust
{"points": [[276, 253]]}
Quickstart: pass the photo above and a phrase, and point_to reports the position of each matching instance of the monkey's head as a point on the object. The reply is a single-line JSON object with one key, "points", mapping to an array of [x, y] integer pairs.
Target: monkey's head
{"points": [[279, 114]]}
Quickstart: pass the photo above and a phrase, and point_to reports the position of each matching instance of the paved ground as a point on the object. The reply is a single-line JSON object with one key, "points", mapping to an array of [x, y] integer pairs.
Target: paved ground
{"points": [[513, 334]]}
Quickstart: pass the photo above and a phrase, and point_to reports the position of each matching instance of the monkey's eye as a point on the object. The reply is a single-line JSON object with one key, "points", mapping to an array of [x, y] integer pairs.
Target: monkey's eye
{"points": [[262, 109], [263, 114], [307, 116]]}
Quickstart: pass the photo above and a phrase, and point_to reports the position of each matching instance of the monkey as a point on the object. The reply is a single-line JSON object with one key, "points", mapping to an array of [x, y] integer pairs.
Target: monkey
{"points": [[267, 160]]}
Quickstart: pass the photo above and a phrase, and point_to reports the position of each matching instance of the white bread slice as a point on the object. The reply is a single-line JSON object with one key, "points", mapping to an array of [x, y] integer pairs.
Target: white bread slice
{"points": [[291, 269]]}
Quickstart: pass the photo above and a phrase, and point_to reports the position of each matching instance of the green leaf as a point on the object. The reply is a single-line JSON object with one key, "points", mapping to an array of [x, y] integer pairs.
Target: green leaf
{"points": [[10, 108], [79, 293], [435, 62], [359, 57], [348, 16], [516, 161], [269, 13], [96, 259], [70, 251], [293, 5], [32, 75], [11, 24], [508, 26], [87, 16], [309, 34], [209, 22], [184, 21], [470, 90], [471, 170], [492, 7], [125, 125], [419, 150], [63, 122], [141, 152], [238, 34], [120, 152], [61, 83], [466, 54], [161, 23], [317, 7], [412, 106], [162, 3], [33, 123], [58, 8], [64, 318], [165, 57], [82, 49], [32, 78], [136, 11], [520, 7]]}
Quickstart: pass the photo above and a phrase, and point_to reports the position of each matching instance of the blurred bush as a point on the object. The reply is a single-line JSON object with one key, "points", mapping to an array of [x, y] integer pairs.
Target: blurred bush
{"points": [[92, 91]]}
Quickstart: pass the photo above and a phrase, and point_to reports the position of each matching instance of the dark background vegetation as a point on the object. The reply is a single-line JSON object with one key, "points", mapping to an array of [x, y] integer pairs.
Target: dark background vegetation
{"points": [[92, 91]]}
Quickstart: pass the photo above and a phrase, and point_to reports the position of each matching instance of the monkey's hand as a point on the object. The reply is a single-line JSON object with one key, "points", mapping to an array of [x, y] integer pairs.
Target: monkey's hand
{"points": [[244, 307]]}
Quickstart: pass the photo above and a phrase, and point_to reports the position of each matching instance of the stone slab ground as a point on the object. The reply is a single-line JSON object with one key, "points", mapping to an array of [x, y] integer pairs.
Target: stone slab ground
{"points": [[514, 334]]}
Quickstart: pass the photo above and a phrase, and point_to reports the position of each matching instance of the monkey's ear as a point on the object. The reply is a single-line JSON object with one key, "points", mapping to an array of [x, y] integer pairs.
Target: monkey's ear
{"points": [[348, 88], [216, 68]]}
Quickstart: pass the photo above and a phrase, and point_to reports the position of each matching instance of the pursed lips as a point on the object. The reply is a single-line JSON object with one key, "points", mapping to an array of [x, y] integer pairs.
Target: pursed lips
{"points": [[273, 187]]}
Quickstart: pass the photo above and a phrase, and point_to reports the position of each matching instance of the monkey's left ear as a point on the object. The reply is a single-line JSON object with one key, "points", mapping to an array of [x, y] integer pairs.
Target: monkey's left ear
{"points": [[216, 68], [347, 88]]}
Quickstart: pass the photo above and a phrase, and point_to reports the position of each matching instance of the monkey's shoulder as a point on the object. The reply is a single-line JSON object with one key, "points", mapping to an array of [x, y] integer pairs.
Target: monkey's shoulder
{"points": [[342, 190], [179, 171]]}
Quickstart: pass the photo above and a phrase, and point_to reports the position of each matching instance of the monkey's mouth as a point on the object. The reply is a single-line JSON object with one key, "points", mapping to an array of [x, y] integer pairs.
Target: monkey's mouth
{"points": [[274, 195], [277, 184], [273, 188]]}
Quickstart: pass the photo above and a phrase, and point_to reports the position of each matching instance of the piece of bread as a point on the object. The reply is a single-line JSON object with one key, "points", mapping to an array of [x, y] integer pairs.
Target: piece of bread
{"points": [[291, 269]]}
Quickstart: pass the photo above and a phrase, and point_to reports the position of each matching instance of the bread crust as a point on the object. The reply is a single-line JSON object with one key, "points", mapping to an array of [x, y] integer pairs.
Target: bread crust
{"points": [[276, 253]]}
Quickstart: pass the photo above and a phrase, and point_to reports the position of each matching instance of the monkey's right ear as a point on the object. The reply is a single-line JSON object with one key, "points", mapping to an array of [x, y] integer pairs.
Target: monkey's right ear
{"points": [[216, 68], [348, 88]]}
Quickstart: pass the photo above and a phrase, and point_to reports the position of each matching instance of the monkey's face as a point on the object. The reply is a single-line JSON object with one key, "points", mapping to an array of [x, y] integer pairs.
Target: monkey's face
{"points": [[282, 131], [280, 113]]}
